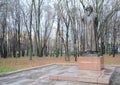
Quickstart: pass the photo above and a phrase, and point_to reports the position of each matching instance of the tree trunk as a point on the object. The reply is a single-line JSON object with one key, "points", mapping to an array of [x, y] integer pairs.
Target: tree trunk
{"points": [[30, 36]]}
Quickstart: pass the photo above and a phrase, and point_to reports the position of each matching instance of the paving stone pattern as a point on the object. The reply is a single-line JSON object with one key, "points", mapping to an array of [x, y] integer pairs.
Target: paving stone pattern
{"points": [[40, 76]]}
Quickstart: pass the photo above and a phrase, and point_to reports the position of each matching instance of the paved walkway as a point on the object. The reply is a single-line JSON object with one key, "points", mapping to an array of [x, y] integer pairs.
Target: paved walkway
{"points": [[40, 76]]}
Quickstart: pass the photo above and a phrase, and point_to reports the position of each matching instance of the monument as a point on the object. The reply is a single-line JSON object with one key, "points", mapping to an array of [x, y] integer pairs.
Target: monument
{"points": [[90, 66], [90, 40], [90, 59]]}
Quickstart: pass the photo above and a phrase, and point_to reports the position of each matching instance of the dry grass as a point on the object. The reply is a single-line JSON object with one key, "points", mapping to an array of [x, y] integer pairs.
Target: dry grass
{"points": [[11, 64], [112, 60]]}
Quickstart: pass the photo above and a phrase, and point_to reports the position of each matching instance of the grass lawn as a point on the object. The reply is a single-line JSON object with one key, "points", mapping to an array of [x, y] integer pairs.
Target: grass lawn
{"points": [[12, 64]]}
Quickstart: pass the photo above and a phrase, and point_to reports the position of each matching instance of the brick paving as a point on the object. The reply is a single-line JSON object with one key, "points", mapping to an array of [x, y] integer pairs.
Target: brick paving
{"points": [[40, 76]]}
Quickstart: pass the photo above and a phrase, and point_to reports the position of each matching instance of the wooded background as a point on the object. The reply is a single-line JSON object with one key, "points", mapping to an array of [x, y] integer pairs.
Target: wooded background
{"points": [[54, 27]]}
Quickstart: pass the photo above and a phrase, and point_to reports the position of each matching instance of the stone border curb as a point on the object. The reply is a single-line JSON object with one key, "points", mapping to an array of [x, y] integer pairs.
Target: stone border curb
{"points": [[32, 68], [26, 69]]}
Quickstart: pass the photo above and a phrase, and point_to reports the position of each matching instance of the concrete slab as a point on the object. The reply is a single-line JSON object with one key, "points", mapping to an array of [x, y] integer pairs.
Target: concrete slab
{"points": [[40, 76], [101, 77]]}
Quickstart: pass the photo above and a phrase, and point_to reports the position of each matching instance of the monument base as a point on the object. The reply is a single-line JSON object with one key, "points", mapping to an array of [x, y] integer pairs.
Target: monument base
{"points": [[91, 63], [89, 69], [72, 73]]}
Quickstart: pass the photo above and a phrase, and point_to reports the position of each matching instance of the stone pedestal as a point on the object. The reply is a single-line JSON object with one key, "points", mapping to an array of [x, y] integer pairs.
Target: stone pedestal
{"points": [[72, 73], [91, 63]]}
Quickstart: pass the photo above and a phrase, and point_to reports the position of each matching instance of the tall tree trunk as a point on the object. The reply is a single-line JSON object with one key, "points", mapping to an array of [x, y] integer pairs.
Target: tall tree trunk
{"points": [[30, 36], [38, 30], [19, 48], [114, 40], [4, 52], [67, 49]]}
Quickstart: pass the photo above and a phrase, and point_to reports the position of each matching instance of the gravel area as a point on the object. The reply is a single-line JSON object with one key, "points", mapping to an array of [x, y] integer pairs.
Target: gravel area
{"points": [[115, 80]]}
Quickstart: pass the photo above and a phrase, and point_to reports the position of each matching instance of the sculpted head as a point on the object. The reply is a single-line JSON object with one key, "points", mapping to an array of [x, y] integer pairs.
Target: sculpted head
{"points": [[89, 10]]}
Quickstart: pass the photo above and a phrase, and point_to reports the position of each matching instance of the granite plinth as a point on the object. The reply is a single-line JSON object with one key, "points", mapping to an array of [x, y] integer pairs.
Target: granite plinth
{"points": [[91, 63]]}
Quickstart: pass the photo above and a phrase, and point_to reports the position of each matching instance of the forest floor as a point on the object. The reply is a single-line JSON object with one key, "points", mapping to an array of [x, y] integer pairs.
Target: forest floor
{"points": [[12, 64]]}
